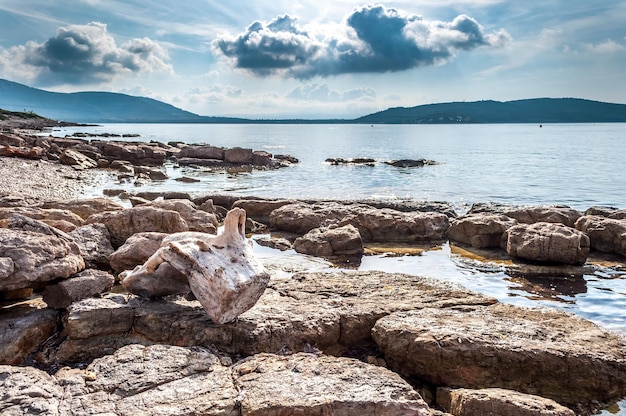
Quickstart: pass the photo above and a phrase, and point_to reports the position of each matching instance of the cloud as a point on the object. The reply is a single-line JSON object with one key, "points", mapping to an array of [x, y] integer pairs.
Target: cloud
{"points": [[321, 92], [608, 47], [372, 39], [83, 54]]}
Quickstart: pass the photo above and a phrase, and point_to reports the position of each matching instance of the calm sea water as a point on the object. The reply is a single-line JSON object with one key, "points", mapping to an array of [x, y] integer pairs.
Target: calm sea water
{"points": [[575, 164], [580, 165]]}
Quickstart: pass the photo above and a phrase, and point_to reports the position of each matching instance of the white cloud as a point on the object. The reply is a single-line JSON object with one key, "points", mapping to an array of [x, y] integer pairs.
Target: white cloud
{"points": [[82, 54]]}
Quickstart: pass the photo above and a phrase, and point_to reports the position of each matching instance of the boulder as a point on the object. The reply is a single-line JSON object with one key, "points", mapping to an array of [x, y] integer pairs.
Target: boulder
{"points": [[306, 384], [277, 243], [7, 139], [77, 160], [27, 390], [300, 217], [32, 253], [547, 242], [25, 327], [123, 224], [197, 220], [328, 242], [94, 243], [222, 271], [135, 250], [410, 163], [261, 158], [561, 214], [43, 215], [21, 152], [238, 156], [480, 230], [605, 234], [601, 211], [467, 402], [260, 209], [544, 352], [387, 225], [202, 152], [87, 283], [84, 207]]}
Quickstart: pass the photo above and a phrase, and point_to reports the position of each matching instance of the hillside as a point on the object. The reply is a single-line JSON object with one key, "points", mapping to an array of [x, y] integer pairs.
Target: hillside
{"points": [[107, 107], [95, 107], [538, 110]]}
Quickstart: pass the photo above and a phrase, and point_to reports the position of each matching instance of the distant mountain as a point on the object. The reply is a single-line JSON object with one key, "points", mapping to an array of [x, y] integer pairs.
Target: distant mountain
{"points": [[538, 110], [107, 107], [96, 107]]}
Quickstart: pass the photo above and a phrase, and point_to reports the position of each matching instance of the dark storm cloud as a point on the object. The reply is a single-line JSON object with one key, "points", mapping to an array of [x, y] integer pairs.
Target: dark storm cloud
{"points": [[373, 39], [87, 53]]}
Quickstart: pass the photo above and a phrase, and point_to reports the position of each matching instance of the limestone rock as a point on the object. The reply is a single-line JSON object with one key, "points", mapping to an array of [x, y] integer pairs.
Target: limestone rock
{"points": [[387, 225], [261, 158], [605, 234], [77, 160], [222, 271], [537, 351], [28, 391], [24, 327], [87, 283], [202, 152], [32, 253], [84, 207], [136, 250], [547, 242], [22, 152], [300, 218], [260, 209], [238, 155], [465, 402], [373, 224], [123, 224], [94, 243], [480, 230], [560, 214], [306, 384], [42, 214], [328, 242], [197, 220], [277, 243]]}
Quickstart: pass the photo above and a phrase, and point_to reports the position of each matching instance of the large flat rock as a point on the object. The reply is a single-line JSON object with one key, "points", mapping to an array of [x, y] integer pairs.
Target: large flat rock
{"points": [[167, 380], [537, 351], [305, 384], [328, 311]]}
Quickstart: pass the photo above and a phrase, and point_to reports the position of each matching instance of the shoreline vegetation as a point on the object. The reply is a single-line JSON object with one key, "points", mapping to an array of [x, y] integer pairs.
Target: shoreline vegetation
{"points": [[356, 339]]}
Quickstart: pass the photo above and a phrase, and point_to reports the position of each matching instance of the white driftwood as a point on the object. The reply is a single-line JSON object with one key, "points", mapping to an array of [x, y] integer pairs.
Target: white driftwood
{"points": [[222, 271]]}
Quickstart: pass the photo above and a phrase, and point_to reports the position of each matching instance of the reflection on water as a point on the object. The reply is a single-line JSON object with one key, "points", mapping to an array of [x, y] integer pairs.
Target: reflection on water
{"points": [[599, 294]]}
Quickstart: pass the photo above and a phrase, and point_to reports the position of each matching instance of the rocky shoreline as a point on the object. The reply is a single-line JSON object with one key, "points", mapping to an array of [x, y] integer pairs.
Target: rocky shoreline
{"points": [[317, 341]]}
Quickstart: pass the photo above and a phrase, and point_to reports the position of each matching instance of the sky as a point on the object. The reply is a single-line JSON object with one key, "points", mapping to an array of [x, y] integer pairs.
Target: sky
{"points": [[316, 59]]}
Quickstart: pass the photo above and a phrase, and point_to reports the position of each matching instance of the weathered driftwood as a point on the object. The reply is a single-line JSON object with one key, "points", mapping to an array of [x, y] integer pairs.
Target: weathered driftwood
{"points": [[222, 271]]}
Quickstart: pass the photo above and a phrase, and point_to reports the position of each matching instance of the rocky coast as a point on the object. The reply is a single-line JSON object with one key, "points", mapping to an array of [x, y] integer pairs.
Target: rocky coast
{"points": [[318, 341]]}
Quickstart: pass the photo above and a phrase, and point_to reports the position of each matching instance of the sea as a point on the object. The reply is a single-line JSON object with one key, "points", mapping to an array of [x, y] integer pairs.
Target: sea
{"points": [[578, 165]]}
